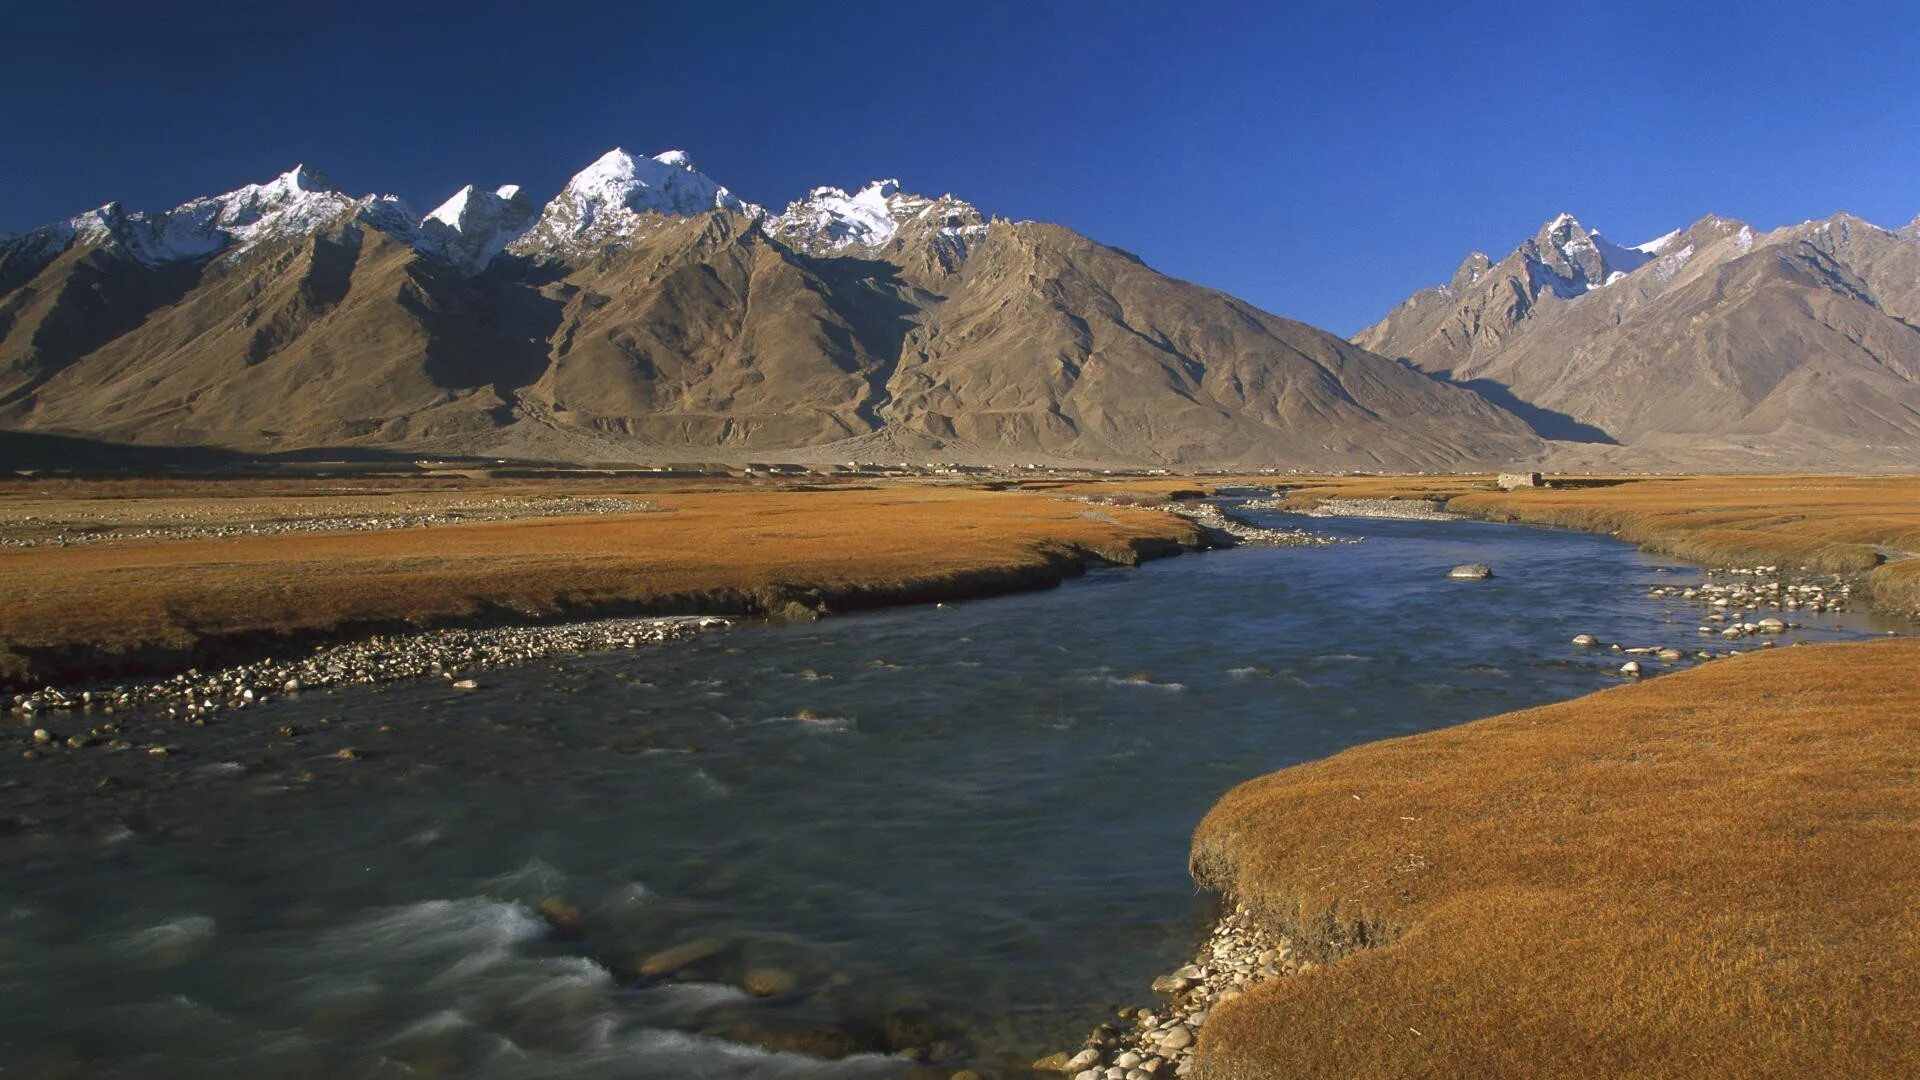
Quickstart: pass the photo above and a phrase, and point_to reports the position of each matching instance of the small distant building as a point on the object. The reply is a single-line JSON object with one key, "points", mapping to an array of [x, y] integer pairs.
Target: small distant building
{"points": [[1511, 480]]}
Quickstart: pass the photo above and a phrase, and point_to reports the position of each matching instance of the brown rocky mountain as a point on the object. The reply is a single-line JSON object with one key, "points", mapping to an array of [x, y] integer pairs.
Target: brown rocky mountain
{"points": [[1713, 345], [646, 313]]}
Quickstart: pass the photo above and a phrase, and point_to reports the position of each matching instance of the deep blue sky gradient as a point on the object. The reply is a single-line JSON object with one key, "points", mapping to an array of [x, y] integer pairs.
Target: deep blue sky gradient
{"points": [[1320, 160]]}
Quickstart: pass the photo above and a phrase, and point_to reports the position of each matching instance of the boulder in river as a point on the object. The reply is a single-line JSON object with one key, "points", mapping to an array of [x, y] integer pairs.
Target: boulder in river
{"points": [[1471, 572]]}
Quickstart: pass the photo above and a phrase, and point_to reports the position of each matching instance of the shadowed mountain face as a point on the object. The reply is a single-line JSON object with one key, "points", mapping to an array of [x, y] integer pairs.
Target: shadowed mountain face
{"points": [[646, 313], [1713, 344]]}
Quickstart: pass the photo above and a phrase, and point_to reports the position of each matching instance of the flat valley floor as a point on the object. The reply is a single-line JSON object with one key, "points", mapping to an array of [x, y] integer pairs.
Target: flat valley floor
{"points": [[1701, 869]]}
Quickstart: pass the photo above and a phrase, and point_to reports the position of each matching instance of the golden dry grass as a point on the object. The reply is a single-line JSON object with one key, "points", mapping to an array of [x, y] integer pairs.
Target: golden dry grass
{"points": [[1867, 526], [158, 605], [1711, 874]]}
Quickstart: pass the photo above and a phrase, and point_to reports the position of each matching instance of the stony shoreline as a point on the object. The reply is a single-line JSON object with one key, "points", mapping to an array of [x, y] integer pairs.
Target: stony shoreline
{"points": [[191, 697], [1237, 532], [1225, 530], [1398, 509], [1735, 601], [1765, 586], [1148, 1043]]}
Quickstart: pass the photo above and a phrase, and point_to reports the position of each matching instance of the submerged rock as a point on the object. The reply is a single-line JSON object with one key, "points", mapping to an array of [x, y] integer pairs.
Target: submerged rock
{"points": [[560, 914], [1171, 984], [768, 981], [816, 1039], [1471, 572], [686, 954]]}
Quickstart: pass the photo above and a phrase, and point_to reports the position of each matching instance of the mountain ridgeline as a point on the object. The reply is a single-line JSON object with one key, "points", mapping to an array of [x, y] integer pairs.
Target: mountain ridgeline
{"points": [[646, 313], [1714, 345]]}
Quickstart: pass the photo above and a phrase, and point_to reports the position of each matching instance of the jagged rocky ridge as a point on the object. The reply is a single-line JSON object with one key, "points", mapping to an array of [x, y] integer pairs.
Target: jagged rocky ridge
{"points": [[648, 313], [1714, 344]]}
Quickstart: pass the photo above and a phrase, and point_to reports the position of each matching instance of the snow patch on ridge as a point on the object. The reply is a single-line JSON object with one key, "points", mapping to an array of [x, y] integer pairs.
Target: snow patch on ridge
{"points": [[1620, 261], [1671, 263], [1658, 244]]}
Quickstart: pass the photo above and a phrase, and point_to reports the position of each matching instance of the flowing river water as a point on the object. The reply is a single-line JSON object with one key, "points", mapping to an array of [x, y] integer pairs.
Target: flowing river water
{"points": [[960, 830]]}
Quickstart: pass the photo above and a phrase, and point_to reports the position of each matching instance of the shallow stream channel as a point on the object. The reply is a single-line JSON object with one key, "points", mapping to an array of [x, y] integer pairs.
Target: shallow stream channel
{"points": [[920, 840]]}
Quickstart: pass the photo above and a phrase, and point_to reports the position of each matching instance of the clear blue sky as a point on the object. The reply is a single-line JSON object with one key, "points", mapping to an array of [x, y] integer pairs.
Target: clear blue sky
{"points": [[1320, 160]]}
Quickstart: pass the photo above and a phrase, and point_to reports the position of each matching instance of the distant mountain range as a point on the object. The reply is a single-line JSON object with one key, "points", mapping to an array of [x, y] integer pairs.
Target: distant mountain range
{"points": [[1715, 344], [646, 313]]}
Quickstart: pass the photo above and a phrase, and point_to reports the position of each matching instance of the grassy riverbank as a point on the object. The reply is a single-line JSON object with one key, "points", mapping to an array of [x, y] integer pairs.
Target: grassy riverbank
{"points": [[134, 606], [1707, 874]]}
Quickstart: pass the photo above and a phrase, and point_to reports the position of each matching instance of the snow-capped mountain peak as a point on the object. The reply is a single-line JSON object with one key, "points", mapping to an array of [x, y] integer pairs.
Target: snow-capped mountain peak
{"points": [[830, 220], [297, 201], [299, 189], [615, 200], [473, 226], [296, 181], [1567, 259], [293, 203], [665, 183], [471, 200], [607, 202], [450, 212], [833, 219]]}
